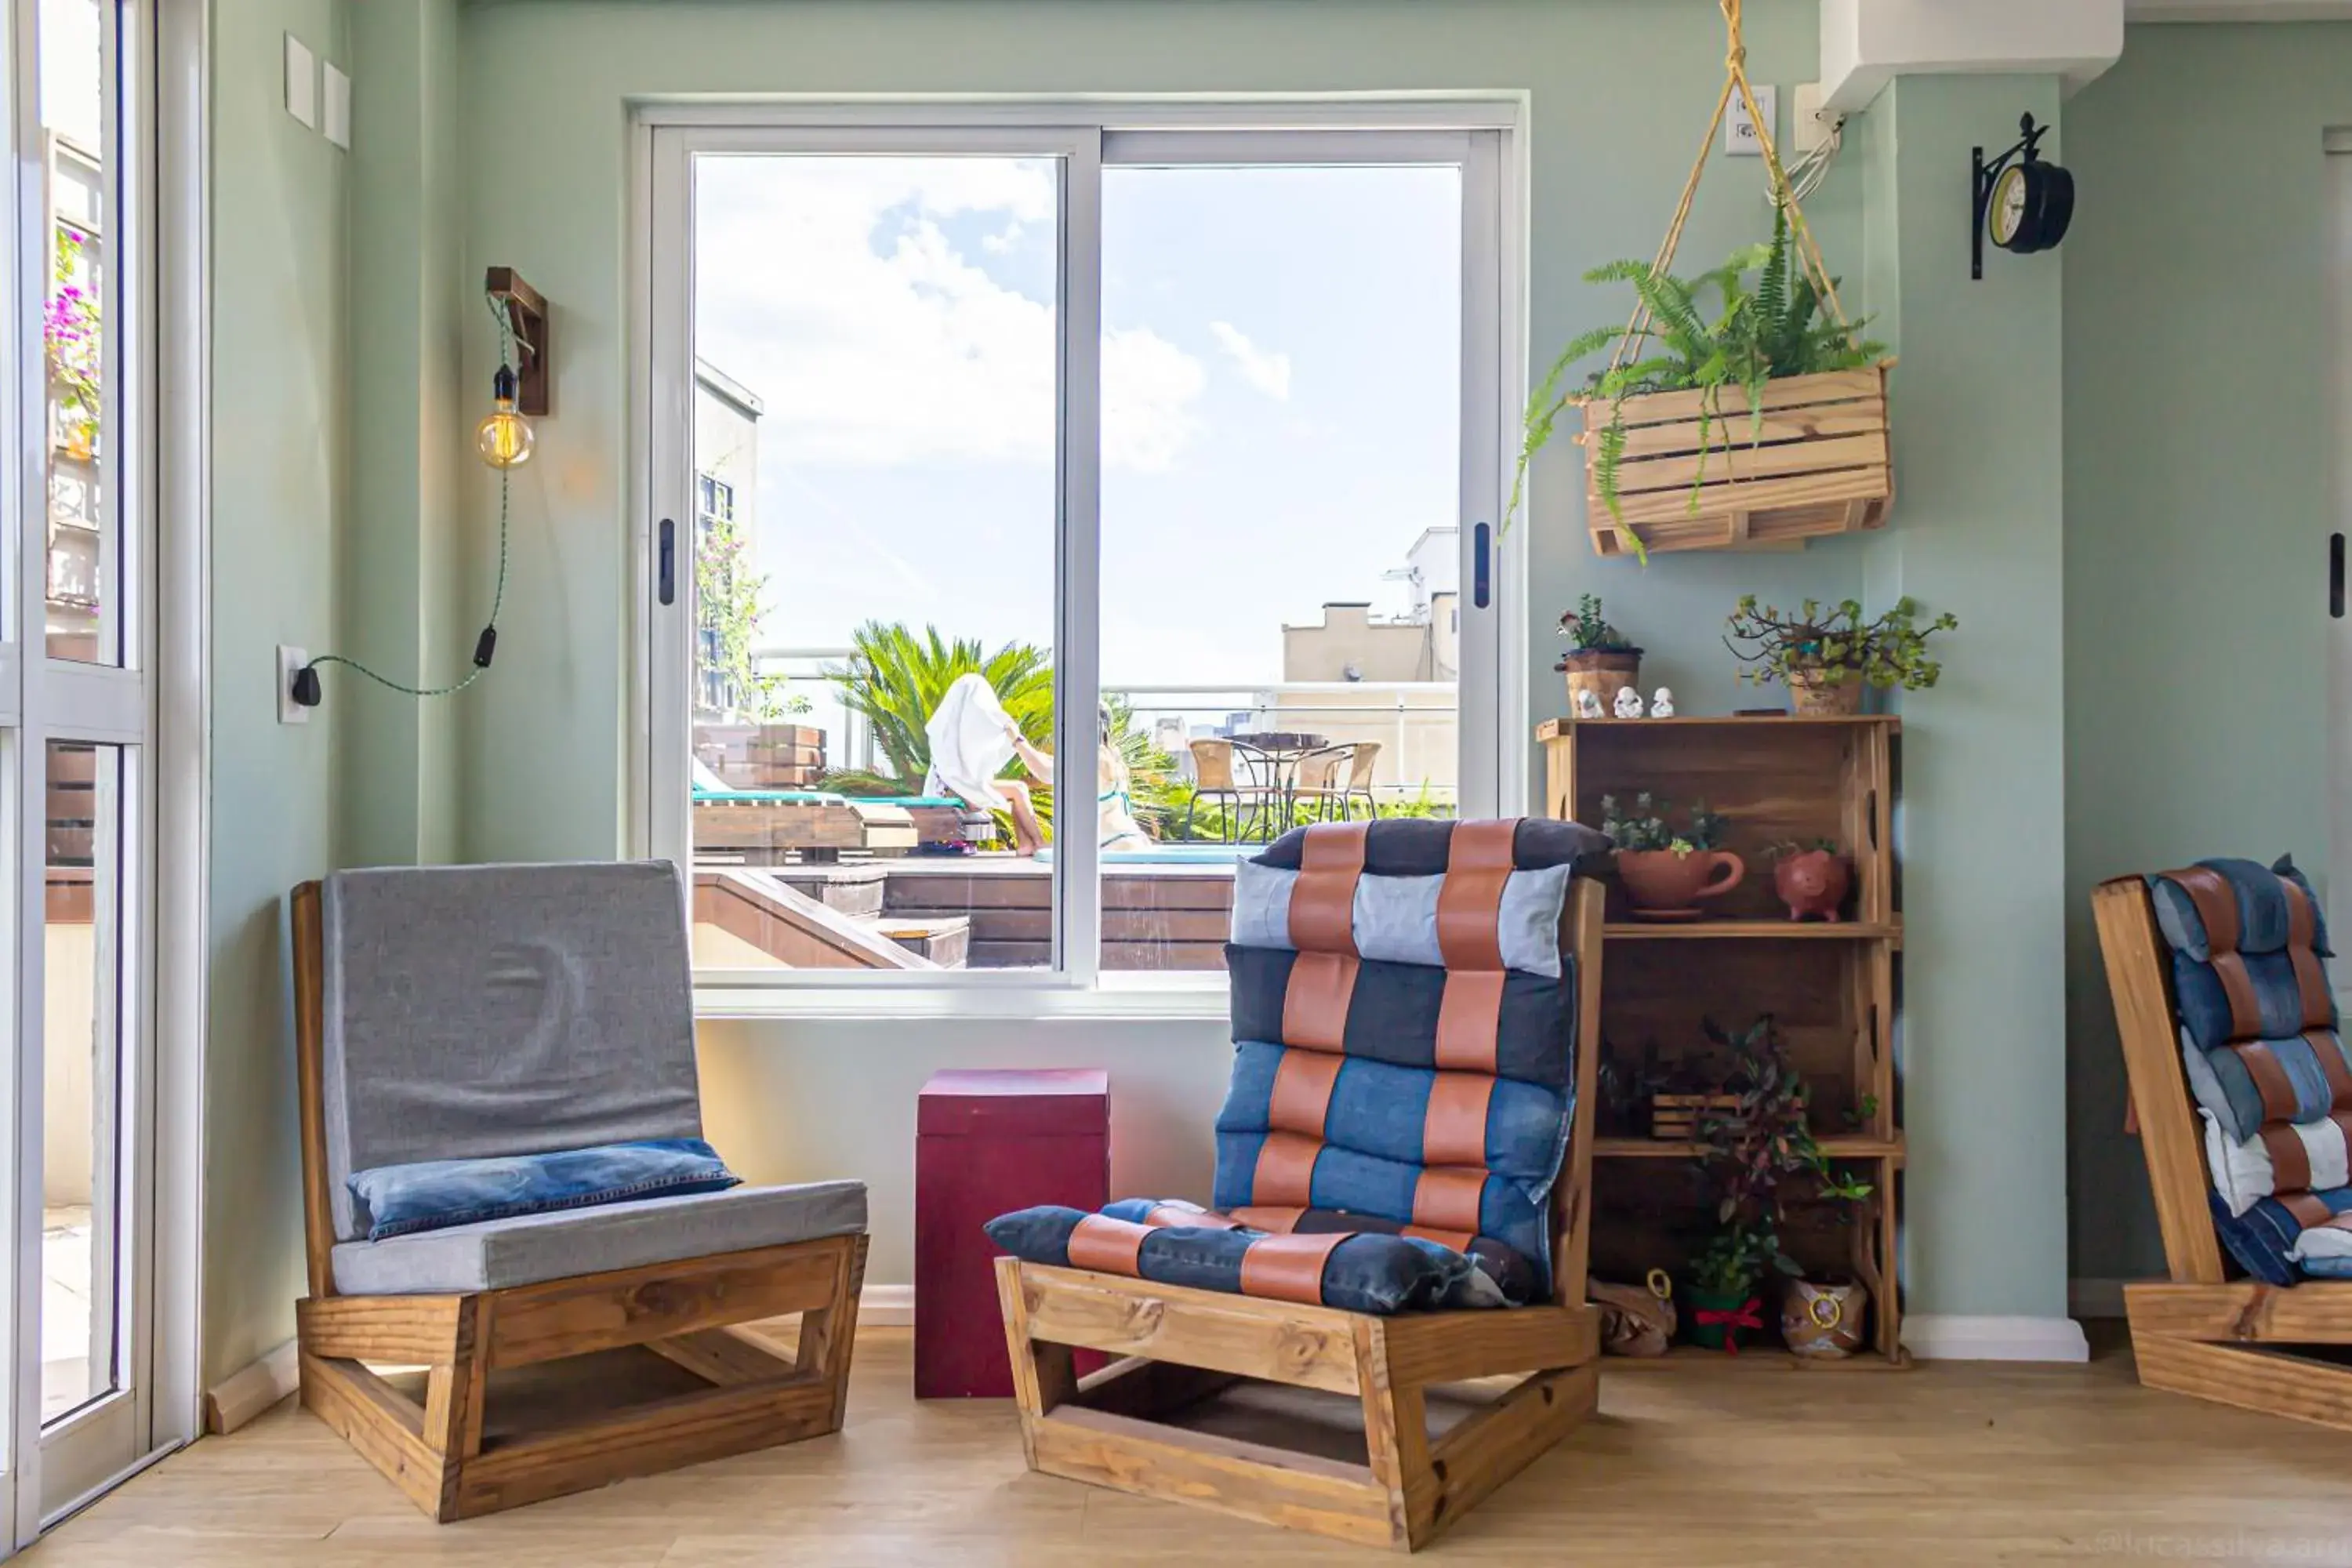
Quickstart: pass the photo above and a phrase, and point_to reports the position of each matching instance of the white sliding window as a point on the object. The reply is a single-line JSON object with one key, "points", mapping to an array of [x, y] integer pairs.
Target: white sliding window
{"points": [[1041, 516]]}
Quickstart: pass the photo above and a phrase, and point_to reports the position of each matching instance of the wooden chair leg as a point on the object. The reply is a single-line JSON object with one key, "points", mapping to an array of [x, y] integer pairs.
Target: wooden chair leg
{"points": [[829, 1334], [455, 1392], [1396, 1433]]}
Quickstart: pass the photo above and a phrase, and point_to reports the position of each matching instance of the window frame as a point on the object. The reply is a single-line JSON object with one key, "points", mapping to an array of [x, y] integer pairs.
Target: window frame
{"points": [[1482, 134]]}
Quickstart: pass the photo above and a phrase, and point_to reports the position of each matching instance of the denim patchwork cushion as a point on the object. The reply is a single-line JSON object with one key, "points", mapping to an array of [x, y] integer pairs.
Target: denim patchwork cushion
{"points": [[1353, 1271], [2263, 1059], [432, 1194], [1403, 1021]]}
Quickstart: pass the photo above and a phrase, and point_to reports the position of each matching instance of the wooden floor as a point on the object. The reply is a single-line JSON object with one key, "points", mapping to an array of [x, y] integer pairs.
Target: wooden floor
{"points": [[1689, 1466]]}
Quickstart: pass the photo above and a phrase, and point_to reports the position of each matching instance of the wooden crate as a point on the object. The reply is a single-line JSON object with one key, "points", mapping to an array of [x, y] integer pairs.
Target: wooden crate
{"points": [[1830, 987], [1677, 1116], [1820, 464]]}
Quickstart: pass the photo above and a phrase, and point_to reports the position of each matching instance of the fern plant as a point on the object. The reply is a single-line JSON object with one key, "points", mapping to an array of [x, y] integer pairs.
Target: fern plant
{"points": [[1758, 334]]}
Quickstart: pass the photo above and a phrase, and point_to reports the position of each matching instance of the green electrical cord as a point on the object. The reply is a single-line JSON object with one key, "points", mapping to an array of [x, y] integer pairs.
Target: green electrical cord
{"points": [[498, 595]]}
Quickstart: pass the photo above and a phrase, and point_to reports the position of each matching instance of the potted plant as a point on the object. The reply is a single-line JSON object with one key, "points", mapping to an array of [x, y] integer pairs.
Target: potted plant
{"points": [[1749, 1152], [1828, 654], [1760, 421], [1667, 870], [1721, 1288], [1598, 658], [1811, 879]]}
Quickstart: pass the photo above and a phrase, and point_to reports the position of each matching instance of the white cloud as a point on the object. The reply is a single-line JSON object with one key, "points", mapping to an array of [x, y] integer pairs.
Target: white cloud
{"points": [[830, 288], [1269, 373]]}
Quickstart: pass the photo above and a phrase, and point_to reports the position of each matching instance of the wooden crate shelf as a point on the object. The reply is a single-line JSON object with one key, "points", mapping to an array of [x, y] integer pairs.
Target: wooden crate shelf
{"points": [[1830, 986], [1755, 931], [1857, 1146]]}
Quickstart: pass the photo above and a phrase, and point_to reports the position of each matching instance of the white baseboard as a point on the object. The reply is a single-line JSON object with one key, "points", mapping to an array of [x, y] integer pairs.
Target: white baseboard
{"points": [[1940, 1336], [2095, 1298], [886, 1307]]}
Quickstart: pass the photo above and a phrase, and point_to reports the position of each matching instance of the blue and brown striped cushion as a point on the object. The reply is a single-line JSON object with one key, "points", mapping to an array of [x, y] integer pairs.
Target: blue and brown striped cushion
{"points": [[2258, 1044], [1176, 1244], [1433, 1097]]}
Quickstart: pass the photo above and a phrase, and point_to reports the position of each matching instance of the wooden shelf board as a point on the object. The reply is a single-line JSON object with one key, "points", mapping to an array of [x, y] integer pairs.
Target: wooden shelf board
{"points": [[1554, 728], [1753, 930], [1773, 1358], [1844, 1146]]}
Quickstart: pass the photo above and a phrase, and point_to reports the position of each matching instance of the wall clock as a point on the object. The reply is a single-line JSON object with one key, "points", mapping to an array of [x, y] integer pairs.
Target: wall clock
{"points": [[2023, 203]]}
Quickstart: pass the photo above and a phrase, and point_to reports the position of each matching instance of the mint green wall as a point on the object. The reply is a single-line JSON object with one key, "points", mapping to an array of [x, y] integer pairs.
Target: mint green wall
{"points": [[400, 609], [1976, 531], [1621, 92], [280, 480], [2197, 454]]}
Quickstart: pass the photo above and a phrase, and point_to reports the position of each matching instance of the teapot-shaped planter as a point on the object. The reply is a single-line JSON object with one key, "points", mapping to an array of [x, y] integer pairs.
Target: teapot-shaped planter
{"points": [[1667, 884]]}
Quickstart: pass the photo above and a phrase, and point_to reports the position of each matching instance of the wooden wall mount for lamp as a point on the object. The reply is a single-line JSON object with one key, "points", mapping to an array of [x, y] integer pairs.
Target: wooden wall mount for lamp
{"points": [[526, 311]]}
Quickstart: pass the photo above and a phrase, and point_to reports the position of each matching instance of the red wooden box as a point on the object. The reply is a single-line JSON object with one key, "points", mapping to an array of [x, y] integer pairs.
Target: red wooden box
{"points": [[987, 1142]]}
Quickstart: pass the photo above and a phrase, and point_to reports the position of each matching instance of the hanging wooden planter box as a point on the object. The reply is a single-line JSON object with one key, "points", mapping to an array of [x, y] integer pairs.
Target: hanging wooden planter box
{"points": [[1821, 464]]}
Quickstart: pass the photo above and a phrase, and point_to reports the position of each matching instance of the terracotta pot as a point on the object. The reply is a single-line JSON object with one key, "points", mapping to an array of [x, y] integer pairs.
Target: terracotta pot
{"points": [[1812, 884], [1809, 693], [1823, 1320], [1667, 883], [1602, 671]]}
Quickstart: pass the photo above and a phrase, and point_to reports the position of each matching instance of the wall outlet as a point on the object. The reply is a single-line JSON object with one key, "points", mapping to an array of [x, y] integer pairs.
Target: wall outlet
{"points": [[1809, 123], [301, 82], [1739, 132], [290, 660]]}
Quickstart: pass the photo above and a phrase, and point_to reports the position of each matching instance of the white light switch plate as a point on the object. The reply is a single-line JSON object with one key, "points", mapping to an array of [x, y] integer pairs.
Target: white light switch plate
{"points": [[335, 107], [301, 82], [1809, 122], [291, 659], [1740, 133]]}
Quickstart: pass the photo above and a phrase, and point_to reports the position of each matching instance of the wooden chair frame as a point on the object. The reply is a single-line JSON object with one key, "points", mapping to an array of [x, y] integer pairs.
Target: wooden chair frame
{"points": [[1181, 1346], [437, 1451], [2200, 1333]]}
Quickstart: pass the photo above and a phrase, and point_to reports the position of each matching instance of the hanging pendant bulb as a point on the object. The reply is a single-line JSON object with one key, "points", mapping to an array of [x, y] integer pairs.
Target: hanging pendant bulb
{"points": [[504, 437]]}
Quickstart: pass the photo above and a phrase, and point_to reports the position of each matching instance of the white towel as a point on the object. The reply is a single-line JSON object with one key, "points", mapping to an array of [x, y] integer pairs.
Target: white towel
{"points": [[969, 745]]}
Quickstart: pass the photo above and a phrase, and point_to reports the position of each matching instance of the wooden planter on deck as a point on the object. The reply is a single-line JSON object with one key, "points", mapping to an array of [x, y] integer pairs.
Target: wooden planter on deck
{"points": [[1821, 464]]}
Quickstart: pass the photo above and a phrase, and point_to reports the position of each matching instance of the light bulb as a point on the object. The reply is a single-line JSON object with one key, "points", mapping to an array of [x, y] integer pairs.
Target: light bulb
{"points": [[504, 437]]}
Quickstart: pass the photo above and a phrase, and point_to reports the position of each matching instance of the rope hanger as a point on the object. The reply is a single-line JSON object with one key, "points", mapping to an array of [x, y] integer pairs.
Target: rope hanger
{"points": [[1735, 79]]}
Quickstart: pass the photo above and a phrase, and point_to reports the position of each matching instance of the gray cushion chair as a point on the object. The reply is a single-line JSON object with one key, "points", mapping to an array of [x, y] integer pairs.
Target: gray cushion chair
{"points": [[482, 1011]]}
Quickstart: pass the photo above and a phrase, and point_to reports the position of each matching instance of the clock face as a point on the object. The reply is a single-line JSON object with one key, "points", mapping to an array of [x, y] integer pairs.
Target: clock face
{"points": [[2007, 214]]}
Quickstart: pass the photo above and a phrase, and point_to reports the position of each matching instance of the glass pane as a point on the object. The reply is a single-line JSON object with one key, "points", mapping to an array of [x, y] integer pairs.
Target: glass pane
{"points": [[875, 513], [84, 542], [81, 994], [1280, 548]]}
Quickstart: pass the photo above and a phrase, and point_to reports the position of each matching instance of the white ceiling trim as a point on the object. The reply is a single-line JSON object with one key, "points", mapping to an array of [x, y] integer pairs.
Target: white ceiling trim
{"points": [[2237, 10]]}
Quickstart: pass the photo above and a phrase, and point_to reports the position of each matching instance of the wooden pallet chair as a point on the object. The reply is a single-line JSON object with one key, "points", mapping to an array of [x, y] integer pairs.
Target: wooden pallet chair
{"points": [[476, 1013], [2242, 1093], [1328, 1029]]}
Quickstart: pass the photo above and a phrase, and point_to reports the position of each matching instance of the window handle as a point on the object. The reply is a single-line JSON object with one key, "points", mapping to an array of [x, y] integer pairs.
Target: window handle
{"points": [[1481, 552], [2335, 575], [668, 563]]}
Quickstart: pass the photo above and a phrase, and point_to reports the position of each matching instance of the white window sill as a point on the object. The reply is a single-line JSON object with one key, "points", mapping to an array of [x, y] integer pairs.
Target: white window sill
{"points": [[999, 995]]}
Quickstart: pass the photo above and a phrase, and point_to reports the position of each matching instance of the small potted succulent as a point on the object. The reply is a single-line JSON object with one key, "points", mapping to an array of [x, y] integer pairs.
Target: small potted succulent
{"points": [[1599, 659], [1666, 870], [1827, 656], [1811, 878]]}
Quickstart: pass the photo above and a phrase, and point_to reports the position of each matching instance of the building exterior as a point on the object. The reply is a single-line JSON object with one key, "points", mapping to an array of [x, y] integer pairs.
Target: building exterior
{"points": [[1385, 680], [726, 487]]}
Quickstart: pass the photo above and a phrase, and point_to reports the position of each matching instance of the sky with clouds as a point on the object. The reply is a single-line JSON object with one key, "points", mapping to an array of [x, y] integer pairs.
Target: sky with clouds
{"points": [[1279, 404]]}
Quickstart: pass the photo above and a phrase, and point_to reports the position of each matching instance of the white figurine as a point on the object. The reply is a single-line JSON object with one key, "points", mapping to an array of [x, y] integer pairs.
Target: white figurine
{"points": [[1628, 702], [1662, 706], [1588, 706]]}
